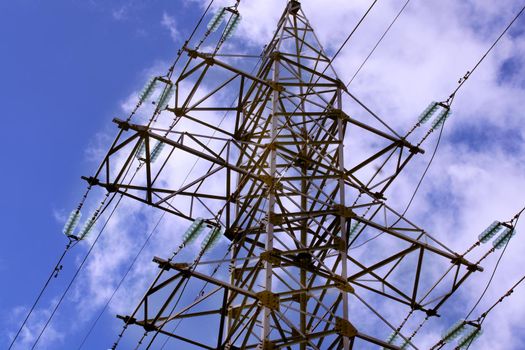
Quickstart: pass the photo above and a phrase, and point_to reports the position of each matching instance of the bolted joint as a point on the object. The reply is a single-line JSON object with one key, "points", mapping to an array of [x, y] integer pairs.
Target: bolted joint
{"points": [[294, 6], [269, 300], [271, 182], [232, 233], [275, 219], [121, 124], [341, 85], [340, 244], [241, 136], [230, 346], [431, 313], [347, 212], [335, 114], [111, 188], [149, 327], [379, 196], [275, 55], [267, 345], [179, 112], [271, 257], [92, 181], [128, 319], [304, 260], [415, 150], [343, 285], [237, 273], [345, 328], [192, 53], [234, 312], [167, 265], [300, 297], [276, 86], [271, 146], [210, 61]]}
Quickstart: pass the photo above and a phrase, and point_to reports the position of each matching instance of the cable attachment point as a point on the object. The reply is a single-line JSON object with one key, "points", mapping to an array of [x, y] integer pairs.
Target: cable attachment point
{"points": [[465, 77], [57, 270]]}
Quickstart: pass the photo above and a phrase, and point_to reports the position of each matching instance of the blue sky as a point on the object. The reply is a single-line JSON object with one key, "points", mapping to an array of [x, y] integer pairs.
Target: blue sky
{"points": [[69, 67], [66, 65]]}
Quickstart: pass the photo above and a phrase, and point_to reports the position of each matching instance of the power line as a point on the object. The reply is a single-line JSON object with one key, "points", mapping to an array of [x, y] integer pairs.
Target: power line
{"points": [[54, 273], [79, 268], [121, 281], [353, 31], [424, 172], [507, 294], [489, 282], [58, 267], [469, 73], [450, 99], [378, 42], [181, 50], [484, 315], [170, 72]]}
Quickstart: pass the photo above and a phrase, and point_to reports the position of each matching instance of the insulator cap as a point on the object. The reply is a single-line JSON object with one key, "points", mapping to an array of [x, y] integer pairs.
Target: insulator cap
{"points": [[216, 20], [148, 90], [72, 222], [489, 232], [503, 238], [193, 231], [455, 331]]}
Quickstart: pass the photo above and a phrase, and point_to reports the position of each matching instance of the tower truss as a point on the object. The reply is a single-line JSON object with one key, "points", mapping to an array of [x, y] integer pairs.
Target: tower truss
{"points": [[300, 210]]}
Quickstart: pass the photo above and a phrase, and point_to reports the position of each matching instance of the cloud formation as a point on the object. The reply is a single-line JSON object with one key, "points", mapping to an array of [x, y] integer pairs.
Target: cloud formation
{"points": [[477, 175]]}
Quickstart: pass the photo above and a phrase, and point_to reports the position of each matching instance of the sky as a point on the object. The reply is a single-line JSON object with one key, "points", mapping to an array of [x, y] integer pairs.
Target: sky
{"points": [[69, 67]]}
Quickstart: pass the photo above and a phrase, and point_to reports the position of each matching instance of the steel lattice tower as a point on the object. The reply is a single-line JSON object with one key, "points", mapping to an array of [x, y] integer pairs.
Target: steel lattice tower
{"points": [[276, 182]]}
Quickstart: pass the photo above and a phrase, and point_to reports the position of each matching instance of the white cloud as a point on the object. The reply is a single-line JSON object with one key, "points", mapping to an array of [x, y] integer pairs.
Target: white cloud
{"points": [[32, 328], [120, 13], [470, 184], [170, 23]]}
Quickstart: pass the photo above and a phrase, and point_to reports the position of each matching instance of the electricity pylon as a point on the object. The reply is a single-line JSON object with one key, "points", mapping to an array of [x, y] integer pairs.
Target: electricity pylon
{"points": [[273, 177]]}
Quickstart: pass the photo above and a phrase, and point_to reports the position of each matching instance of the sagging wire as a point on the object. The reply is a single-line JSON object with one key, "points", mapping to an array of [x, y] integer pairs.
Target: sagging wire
{"points": [[194, 265], [378, 42], [54, 274], [448, 102], [104, 206], [72, 241], [75, 215], [467, 75], [86, 336], [88, 226], [475, 330], [148, 90], [442, 117]]}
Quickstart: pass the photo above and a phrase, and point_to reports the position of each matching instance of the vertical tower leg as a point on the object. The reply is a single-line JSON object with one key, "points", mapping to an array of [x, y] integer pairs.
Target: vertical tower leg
{"points": [[343, 254], [271, 207]]}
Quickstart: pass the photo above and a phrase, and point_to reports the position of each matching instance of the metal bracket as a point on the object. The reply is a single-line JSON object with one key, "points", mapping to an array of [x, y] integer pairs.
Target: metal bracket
{"points": [[344, 286], [268, 299], [271, 182], [347, 212], [345, 328], [276, 86], [235, 311], [275, 219], [335, 114], [300, 297], [267, 345], [271, 257], [340, 244], [232, 233]]}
